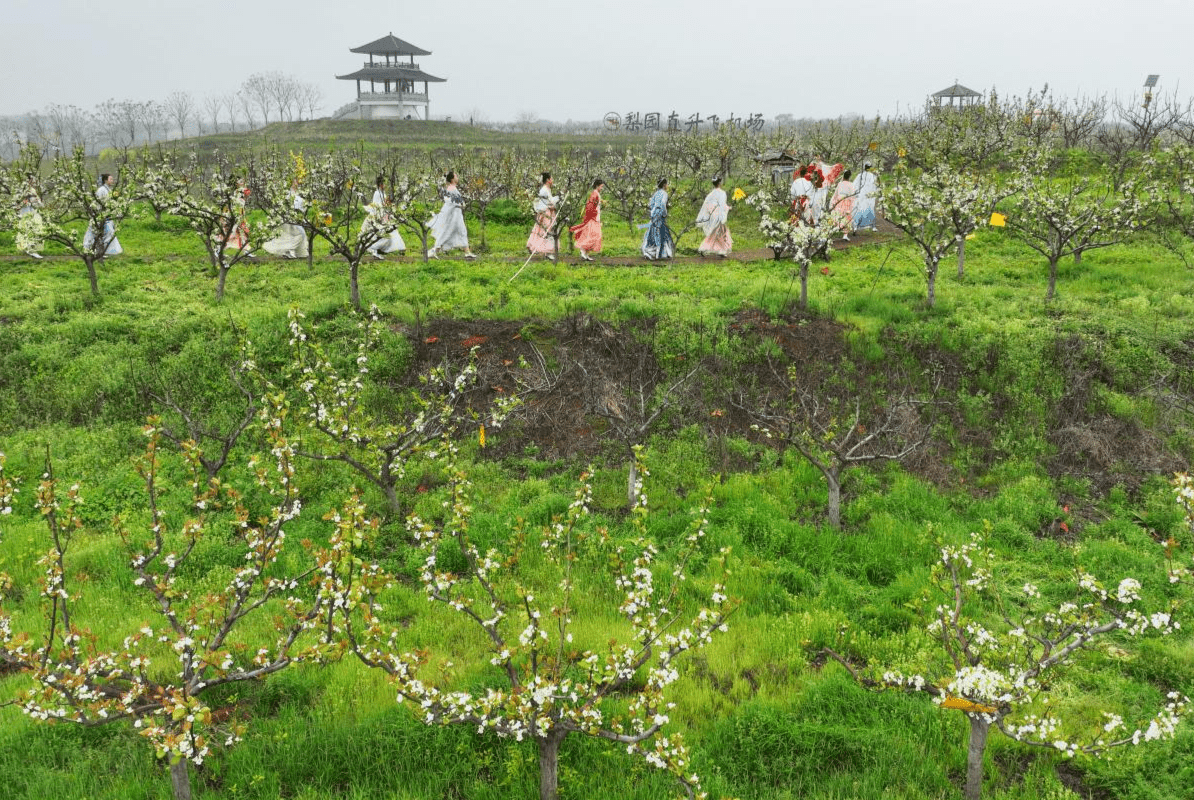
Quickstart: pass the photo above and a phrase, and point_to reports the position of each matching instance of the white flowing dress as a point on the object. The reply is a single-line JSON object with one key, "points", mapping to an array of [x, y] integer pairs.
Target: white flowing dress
{"points": [[291, 239], [865, 190], [712, 219], [392, 241], [112, 247], [447, 227]]}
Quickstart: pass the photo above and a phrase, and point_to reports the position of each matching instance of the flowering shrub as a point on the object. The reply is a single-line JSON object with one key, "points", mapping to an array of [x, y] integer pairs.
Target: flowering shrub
{"points": [[1002, 676], [341, 427], [157, 676], [551, 685], [937, 208]]}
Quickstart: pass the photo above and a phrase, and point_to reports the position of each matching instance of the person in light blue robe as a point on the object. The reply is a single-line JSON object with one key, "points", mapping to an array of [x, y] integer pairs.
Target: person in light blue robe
{"points": [[657, 243]]}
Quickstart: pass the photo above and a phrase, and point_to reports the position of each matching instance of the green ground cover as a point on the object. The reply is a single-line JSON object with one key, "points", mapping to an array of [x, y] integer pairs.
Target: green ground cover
{"points": [[764, 717]]}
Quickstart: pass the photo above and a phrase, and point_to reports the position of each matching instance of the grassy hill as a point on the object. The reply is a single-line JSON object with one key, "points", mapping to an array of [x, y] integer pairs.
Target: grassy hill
{"points": [[382, 135]]}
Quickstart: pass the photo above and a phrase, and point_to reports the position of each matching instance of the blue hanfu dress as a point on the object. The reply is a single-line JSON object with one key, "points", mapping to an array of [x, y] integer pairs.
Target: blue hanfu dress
{"points": [[658, 241]]}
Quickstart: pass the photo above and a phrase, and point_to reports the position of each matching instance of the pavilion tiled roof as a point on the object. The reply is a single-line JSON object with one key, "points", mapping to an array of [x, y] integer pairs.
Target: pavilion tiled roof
{"points": [[957, 90], [395, 72], [391, 45]]}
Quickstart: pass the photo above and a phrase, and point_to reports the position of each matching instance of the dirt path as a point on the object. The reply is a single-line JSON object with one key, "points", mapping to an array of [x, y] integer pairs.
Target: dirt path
{"points": [[886, 232]]}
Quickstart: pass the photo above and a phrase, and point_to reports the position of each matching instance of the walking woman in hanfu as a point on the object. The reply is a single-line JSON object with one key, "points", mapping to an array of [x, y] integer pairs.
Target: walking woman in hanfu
{"points": [[657, 243], [30, 226], [542, 239], [712, 219], [236, 226], [587, 235], [111, 245], [841, 207], [380, 216], [291, 241], [864, 203], [447, 227]]}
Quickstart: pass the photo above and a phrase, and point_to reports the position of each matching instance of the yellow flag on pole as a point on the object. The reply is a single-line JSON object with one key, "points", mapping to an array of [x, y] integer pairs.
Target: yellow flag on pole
{"points": [[998, 220]]}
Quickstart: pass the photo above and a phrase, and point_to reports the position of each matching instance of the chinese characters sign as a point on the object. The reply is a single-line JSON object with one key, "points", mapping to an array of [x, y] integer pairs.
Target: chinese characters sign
{"points": [[636, 122]]}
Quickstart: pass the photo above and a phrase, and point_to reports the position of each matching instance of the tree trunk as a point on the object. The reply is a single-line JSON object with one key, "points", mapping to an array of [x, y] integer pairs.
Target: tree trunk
{"points": [[91, 275], [962, 258], [834, 503], [549, 765], [311, 250], [931, 274], [220, 279], [974, 756], [1077, 256], [1052, 279], [354, 288], [180, 780]]}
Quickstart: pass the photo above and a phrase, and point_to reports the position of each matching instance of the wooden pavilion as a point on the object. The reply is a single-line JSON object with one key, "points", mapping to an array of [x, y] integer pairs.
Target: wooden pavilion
{"points": [[393, 82], [956, 94]]}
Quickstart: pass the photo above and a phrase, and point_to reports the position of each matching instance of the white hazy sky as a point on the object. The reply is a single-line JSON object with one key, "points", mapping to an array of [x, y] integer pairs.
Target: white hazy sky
{"points": [[579, 60]]}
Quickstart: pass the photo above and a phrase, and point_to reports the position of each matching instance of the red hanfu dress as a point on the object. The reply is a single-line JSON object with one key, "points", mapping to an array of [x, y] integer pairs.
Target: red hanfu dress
{"points": [[587, 234]]}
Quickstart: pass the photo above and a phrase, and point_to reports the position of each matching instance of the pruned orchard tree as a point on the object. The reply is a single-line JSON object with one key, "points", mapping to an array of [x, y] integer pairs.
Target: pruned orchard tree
{"points": [[1003, 677], [209, 430], [486, 175], [1170, 188], [212, 199], [414, 201], [1067, 216], [932, 207], [281, 186], [71, 208], [630, 178], [553, 678], [836, 427], [156, 675], [976, 137], [341, 426], [339, 191], [787, 236], [157, 178]]}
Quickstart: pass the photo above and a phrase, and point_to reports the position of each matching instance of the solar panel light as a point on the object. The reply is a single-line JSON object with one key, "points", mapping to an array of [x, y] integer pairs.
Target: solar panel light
{"points": [[1149, 83]]}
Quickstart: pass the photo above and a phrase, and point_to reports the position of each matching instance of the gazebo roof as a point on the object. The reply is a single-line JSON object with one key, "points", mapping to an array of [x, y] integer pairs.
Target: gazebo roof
{"points": [[776, 157], [392, 73], [957, 90], [390, 45]]}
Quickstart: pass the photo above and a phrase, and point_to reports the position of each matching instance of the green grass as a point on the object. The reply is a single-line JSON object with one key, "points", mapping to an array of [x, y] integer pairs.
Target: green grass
{"points": [[763, 721]]}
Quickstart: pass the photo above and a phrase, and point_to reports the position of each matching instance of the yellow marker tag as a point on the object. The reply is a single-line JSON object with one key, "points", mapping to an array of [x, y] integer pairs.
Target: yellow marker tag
{"points": [[962, 704], [998, 220], [481, 435]]}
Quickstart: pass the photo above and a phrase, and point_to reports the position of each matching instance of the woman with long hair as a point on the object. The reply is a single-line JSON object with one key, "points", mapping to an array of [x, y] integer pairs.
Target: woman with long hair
{"points": [[447, 227], [657, 243], [380, 216], [587, 235], [109, 244], [712, 220], [543, 238]]}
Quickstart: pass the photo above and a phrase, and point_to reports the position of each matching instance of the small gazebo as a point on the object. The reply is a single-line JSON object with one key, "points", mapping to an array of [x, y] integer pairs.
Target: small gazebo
{"points": [[958, 94], [393, 82]]}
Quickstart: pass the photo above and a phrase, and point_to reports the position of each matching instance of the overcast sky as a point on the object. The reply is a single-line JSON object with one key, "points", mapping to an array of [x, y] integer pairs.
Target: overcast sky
{"points": [[579, 60]]}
